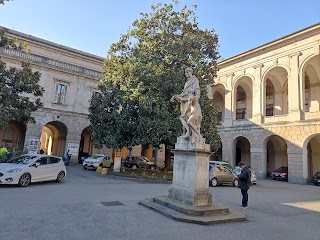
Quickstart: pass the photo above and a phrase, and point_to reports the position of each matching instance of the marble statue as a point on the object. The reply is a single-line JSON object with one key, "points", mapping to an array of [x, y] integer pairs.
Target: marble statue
{"points": [[191, 115]]}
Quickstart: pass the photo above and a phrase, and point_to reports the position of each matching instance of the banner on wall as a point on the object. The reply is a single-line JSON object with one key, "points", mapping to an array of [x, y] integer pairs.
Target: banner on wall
{"points": [[33, 146], [118, 152], [74, 148]]}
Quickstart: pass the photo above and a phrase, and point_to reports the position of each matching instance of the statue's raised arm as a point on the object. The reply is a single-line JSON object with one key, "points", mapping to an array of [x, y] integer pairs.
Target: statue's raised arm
{"points": [[191, 115]]}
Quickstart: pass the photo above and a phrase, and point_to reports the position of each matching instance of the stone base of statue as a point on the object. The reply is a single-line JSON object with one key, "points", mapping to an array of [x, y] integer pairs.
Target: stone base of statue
{"points": [[189, 198], [191, 170]]}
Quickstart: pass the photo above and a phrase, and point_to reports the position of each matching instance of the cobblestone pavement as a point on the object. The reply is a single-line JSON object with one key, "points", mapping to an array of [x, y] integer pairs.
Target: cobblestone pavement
{"points": [[73, 211]]}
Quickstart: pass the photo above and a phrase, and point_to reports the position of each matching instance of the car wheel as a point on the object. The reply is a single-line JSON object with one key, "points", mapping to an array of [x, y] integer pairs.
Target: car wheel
{"points": [[60, 177], [235, 182], [85, 168], [134, 167], [214, 182], [24, 180]]}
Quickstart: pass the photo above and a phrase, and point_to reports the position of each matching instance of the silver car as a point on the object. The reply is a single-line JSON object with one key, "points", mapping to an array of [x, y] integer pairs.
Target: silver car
{"points": [[222, 174]]}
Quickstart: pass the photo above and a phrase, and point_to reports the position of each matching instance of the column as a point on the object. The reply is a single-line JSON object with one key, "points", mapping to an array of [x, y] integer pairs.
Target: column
{"points": [[294, 88], [258, 100], [259, 162], [295, 165], [228, 108], [75, 138], [33, 132]]}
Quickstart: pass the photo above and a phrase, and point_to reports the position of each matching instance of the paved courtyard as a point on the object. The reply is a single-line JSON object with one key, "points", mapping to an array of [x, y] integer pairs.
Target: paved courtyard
{"points": [[73, 211]]}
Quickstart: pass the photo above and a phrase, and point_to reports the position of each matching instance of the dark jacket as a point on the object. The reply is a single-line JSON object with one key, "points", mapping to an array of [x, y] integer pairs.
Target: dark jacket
{"points": [[245, 179]]}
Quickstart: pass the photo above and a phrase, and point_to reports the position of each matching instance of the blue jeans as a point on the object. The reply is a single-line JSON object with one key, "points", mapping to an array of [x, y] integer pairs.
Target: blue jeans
{"points": [[244, 198]]}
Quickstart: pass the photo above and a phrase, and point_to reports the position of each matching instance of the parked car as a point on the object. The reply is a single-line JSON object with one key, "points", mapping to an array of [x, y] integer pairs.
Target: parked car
{"points": [[139, 162], [280, 173], [222, 174], [97, 160], [83, 156], [30, 168], [215, 163], [237, 170], [316, 178]]}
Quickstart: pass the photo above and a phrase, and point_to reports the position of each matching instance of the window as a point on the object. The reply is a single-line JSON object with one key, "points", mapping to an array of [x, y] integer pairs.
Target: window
{"points": [[60, 94], [241, 96], [54, 160], [241, 113], [269, 89], [95, 93], [43, 161], [306, 94], [269, 110], [219, 116]]}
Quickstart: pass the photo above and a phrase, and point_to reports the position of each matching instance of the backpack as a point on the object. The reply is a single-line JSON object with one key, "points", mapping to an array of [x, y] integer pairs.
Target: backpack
{"points": [[249, 177]]}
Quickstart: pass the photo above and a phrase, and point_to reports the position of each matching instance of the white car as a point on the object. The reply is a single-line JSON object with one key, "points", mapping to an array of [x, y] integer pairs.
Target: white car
{"points": [[97, 160], [29, 168]]}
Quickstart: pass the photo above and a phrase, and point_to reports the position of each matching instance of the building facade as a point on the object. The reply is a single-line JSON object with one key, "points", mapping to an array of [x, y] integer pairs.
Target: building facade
{"points": [[70, 77], [269, 101]]}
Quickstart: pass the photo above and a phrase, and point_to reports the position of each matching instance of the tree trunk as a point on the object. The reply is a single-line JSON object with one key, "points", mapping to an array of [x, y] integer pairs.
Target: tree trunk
{"points": [[168, 166], [156, 156]]}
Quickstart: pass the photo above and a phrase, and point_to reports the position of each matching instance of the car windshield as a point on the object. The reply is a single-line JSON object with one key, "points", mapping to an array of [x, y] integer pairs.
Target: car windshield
{"points": [[96, 156], [24, 159], [282, 169]]}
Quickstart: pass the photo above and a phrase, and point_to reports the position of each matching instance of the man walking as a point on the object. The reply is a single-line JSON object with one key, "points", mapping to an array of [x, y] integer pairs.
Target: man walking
{"points": [[244, 183]]}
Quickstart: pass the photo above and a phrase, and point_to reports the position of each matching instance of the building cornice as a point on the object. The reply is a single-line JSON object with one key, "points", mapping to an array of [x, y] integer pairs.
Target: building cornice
{"points": [[49, 62], [41, 41], [278, 43]]}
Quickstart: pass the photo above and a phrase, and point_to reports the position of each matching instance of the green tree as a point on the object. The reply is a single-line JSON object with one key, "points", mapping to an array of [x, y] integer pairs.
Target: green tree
{"points": [[19, 89], [144, 70], [2, 1]]}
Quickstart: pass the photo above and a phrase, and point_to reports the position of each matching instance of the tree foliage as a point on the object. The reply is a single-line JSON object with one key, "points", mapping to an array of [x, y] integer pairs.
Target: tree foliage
{"points": [[19, 89], [144, 69], [2, 1]]}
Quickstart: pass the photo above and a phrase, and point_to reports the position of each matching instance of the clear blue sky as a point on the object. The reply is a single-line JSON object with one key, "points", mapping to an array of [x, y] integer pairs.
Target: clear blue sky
{"points": [[92, 25]]}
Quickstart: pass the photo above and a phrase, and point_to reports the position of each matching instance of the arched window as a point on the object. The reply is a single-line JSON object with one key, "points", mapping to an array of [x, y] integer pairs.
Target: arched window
{"points": [[241, 103], [269, 98], [306, 93]]}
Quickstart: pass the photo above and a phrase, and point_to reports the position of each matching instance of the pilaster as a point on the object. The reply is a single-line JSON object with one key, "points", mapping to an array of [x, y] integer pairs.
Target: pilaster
{"points": [[258, 96], [228, 114], [294, 88], [295, 165]]}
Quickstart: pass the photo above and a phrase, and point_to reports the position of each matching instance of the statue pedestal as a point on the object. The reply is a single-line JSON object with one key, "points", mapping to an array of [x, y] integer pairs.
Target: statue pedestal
{"points": [[190, 183], [189, 198]]}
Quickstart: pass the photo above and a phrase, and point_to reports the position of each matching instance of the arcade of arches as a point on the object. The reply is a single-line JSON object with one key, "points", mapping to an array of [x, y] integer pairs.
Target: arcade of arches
{"points": [[53, 140]]}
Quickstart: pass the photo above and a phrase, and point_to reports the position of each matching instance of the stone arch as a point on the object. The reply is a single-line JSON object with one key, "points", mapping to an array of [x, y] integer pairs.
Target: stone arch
{"points": [[243, 102], [278, 76], [276, 153], [310, 71], [241, 151], [218, 93], [53, 138], [86, 142], [307, 60], [13, 135], [265, 72], [311, 156]]}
